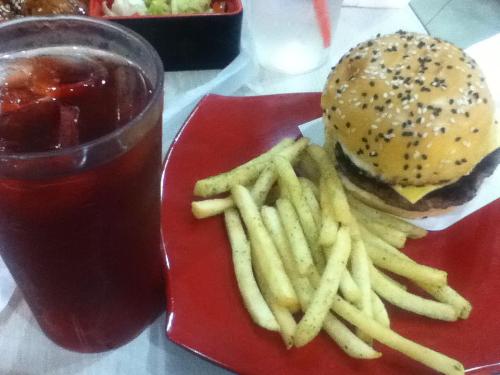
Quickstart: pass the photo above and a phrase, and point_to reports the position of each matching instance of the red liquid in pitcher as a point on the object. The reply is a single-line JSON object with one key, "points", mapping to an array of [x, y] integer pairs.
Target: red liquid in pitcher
{"points": [[83, 246]]}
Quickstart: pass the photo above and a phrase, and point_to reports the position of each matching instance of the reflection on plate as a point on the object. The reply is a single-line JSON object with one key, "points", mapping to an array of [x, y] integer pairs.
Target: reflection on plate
{"points": [[205, 311]]}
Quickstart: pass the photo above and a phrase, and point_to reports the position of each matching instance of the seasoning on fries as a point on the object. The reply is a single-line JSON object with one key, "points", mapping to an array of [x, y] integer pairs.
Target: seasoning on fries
{"points": [[312, 253]]}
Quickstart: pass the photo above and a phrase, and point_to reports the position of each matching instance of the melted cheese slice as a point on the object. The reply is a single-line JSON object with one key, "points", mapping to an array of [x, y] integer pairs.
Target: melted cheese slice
{"points": [[414, 193]]}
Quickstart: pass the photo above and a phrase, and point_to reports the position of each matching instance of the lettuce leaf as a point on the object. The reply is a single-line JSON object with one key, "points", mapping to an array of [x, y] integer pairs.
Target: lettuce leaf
{"points": [[125, 8], [190, 6], [155, 7], [158, 7]]}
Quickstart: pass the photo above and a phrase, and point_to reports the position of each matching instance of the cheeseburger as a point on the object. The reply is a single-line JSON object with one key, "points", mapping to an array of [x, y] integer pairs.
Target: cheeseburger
{"points": [[410, 121]]}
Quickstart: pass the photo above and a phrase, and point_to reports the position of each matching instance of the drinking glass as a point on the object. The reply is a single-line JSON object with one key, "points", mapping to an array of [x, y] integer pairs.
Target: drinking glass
{"points": [[80, 225]]}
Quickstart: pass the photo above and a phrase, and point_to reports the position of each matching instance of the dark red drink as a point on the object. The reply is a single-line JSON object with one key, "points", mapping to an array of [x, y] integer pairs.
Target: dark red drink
{"points": [[80, 155]]}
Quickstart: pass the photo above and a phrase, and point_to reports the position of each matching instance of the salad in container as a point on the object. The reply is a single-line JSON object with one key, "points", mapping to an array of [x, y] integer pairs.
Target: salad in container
{"points": [[188, 34]]}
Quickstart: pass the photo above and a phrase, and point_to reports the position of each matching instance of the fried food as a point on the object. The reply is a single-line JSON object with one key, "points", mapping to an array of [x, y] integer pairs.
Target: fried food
{"points": [[312, 248]]}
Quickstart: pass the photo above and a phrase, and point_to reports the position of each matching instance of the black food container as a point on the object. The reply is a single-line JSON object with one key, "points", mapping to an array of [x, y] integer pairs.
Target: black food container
{"points": [[188, 41]]}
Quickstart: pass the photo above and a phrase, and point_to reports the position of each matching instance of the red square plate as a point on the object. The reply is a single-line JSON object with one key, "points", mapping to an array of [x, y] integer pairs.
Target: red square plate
{"points": [[205, 311]]}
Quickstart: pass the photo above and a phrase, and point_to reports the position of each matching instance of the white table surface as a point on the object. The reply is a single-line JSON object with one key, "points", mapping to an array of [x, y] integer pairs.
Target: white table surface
{"points": [[24, 350]]}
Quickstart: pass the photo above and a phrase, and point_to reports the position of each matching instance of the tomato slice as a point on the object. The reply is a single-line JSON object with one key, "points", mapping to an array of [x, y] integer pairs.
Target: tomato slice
{"points": [[219, 6]]}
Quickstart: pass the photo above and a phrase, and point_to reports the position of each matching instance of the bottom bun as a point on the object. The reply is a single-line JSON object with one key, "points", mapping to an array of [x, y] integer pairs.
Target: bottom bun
{"points": [[375, 202]]}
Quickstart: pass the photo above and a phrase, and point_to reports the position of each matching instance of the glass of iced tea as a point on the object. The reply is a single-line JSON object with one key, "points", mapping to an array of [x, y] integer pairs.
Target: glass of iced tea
{"points": [[80, 163]]}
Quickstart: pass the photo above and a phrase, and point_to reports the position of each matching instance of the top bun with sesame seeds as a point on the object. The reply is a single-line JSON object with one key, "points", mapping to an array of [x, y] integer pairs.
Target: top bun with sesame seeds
{"points": [[412, 113]]}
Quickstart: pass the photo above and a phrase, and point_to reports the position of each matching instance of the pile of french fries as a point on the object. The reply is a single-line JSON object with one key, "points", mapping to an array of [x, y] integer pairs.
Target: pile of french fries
{"points": [[309, 257]]}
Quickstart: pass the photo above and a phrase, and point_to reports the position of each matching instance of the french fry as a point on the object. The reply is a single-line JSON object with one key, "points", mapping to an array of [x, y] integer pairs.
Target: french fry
{"points": [[300, 282], [285, 320], [329, 225], [348, 287], [379, 311], [264, 251], [338, 332], [260, 190], [311, 200], [409, 301], [448, 295], [268, 177], [330, 143], [308, 168], [252, 297], [211, 207], [315, 278], [263, 185], [407, 268], [243, 174], [283, 190], [373, 240], [384, 218], [392, 236], [296, 255], [273, 195], [327, 170], [346, 340], [323, 162], [272, 221], [283, 316], [296, 236], [291, 152], [443, 293], [312, 186], [340, 205], [313, 318], [392, 281], [386, 336], [360, 265], [292, 184]]}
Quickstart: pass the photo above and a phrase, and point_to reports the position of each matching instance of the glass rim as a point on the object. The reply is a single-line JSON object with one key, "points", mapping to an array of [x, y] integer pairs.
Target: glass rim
{"points": [[157, 90]]}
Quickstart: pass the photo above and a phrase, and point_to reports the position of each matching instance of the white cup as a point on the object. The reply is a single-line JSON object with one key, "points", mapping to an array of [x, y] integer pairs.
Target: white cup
{"points": [[292, 36]]}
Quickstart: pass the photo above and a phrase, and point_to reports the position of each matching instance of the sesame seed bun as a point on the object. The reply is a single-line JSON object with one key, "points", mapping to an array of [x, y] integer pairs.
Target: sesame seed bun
{"points": [[409, 109]]}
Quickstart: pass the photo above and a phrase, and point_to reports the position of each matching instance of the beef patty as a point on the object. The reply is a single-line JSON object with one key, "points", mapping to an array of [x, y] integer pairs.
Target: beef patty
{"points": [[457, 193]]}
